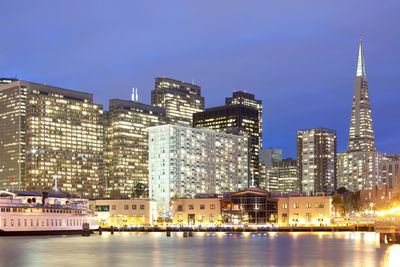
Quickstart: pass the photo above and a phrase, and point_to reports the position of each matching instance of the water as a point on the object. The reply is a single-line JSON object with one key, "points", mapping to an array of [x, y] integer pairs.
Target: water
{"points": [[203, 249]]}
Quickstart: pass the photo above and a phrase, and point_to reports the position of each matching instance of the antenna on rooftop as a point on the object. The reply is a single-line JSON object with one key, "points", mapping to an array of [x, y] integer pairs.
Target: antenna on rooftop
{"points": [[137, 95]]}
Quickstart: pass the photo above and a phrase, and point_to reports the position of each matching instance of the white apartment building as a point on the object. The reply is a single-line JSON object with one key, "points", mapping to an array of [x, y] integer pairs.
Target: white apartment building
{"points": [[185, 161]]}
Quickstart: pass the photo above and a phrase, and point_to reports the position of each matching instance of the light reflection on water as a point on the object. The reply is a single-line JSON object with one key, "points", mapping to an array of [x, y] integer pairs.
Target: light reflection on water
{"points": [[204, 249]]}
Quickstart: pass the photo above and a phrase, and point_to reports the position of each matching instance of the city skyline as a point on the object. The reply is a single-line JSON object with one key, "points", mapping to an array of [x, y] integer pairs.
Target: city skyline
{"points": [[259, 55]]}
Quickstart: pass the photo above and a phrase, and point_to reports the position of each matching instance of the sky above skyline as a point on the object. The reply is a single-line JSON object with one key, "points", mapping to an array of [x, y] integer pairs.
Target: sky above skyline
{"points": [[298, 57]]}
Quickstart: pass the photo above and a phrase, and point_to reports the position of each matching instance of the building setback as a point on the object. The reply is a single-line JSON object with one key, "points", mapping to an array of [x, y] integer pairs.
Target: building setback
{"points": [[179, 99], [185, 161], [316, 160], [126, 146], [235, 119], [50, 133]]}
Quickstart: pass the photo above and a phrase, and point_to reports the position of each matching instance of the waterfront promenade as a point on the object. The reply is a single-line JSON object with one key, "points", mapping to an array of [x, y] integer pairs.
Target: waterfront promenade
{"points": [[239, 229]]}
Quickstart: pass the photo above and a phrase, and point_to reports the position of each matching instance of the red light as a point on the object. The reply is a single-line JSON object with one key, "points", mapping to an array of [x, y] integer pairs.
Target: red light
{"points": [[245, 92], [234, 91], [183, 81]]}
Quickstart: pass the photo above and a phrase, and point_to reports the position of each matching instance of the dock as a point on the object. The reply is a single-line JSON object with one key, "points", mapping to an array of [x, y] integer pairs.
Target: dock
{"points": [[389, 230]]}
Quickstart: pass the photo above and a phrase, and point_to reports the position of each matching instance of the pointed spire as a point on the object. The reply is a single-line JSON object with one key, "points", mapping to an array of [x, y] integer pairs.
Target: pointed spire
{"points": [[360, 62]]}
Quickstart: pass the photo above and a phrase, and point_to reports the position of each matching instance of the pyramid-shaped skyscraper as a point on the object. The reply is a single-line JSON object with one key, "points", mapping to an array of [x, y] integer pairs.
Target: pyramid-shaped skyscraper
{"points": [[358, 167], [361, 136]]}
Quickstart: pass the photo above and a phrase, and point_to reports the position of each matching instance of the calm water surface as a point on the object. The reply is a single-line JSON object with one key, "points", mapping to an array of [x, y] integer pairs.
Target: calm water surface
{"points": [[203, 249]]}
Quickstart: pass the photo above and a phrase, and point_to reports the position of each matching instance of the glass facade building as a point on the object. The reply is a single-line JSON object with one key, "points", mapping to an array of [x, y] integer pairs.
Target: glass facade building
{"points": [[283, 176], [316, 160], [56, 134], [185, 161], [179, 99], [247, 99], [126, 145]]}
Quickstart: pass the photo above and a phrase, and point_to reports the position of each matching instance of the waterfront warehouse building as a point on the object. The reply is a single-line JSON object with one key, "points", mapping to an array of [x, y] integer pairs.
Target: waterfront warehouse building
{"points": [[50, 133], [185, 161], [304, 210], [316, 160], [358, 167], [126, 146], [236, 118], [250, 206], [124, 212], [179, 99], [197, 211]]}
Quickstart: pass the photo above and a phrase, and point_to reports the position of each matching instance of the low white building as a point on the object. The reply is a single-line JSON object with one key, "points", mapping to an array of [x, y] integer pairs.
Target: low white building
{"points": [[185, 161]]}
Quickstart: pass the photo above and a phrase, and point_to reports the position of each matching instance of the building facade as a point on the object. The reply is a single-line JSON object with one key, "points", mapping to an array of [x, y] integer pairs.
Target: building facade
{"points": [[359, 170], [284, 177], [316, 160], [390, 171], [247, 99], [236, 118], [304, 210], [270, 155], [197, 211], [250, 206], [126, 146], [179, 99], [358, 167], [51, 134], [185, 161], [124, 212]]}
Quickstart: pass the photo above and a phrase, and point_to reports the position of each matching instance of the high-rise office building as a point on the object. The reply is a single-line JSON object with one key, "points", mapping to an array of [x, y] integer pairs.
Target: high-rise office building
{"points": [[51, 135], [316, 160], [358, 167], [179, 99], [186, 161], [235, 119], [247, 99], [12, 137], [284, 176], [126, 145]]}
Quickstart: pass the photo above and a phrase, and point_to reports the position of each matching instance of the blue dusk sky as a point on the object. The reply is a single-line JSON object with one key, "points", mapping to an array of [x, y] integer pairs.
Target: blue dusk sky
{"points": [[298, 56]]}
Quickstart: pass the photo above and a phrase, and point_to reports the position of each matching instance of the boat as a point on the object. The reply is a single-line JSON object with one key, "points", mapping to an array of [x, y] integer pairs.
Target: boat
{"points": [[22, 213]]}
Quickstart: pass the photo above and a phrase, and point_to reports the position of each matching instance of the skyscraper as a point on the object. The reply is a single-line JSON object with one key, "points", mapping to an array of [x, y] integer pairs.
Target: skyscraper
{"points": [[247, 99], [126, 145], [361, 135], [179, 99], [316, 160], [185, 161], [358, 167], [236, 119], [50, 133]]}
